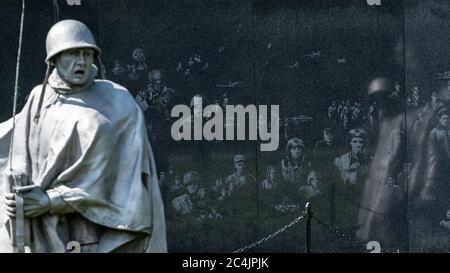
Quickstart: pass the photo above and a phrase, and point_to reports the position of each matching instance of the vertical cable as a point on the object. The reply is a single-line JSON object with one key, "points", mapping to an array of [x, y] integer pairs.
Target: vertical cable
{"points": [[252, 6], [405, 126], [16, 85]]}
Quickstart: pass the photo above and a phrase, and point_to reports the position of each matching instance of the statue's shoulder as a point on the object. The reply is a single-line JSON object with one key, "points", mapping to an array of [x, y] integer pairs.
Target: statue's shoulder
{"points": [[117, 98], [114, 91], [107, 85], [36, 91]]}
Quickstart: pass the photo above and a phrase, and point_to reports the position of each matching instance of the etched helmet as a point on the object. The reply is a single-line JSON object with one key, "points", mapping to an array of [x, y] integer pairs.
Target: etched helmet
{"points": [[239, 158], [294, 142], [69, 34], [357, 132]]}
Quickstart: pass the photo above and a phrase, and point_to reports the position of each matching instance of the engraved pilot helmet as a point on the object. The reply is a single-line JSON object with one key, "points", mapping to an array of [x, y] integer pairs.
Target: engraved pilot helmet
{"points": [[294, 142], [69, 34], [357, 132]]}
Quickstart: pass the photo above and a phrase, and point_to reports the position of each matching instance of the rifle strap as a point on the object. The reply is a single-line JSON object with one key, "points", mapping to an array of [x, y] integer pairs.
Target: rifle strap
{"points": [[20, 224]]}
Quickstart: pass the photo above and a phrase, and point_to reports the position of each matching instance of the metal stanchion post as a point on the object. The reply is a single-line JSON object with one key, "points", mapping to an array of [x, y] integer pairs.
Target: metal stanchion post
{"points": [[308, 228]]}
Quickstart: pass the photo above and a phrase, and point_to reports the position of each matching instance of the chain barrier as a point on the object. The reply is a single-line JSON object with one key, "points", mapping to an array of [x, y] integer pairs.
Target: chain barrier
{"points": [[344, 235], [276, 233], [310, 215], [338, 232]]}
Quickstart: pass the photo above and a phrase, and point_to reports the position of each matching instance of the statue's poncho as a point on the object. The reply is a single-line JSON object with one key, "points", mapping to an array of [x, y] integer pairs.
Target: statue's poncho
{"points": [[91, 147]]}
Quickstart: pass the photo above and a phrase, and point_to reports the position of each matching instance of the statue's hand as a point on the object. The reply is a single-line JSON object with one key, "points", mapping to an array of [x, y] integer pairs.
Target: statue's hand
{"points": [[10, 205], [35, 202]]}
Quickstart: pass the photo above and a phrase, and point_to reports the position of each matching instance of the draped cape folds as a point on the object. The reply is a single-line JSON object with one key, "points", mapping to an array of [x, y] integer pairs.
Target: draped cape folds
{"points": [[90, 146]]}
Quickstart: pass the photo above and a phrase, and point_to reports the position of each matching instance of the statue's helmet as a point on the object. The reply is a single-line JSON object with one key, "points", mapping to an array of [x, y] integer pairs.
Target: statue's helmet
{"points": [[69, 34]]}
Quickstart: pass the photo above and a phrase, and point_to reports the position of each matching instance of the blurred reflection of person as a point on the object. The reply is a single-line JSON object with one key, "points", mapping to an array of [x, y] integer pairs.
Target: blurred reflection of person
{"points": [[382, 215]]}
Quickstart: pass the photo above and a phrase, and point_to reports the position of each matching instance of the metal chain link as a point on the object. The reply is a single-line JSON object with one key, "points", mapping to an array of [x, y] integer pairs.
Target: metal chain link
{"points": [[337, 232], [281, 230], [343, 235], [276, 233]]}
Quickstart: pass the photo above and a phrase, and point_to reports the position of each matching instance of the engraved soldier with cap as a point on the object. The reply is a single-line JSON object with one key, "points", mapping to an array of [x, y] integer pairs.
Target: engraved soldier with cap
{"points": [[82, 145], [296, 169], [240, 177], [298, 176], [241, 185], [353, 165], [352, 168]]}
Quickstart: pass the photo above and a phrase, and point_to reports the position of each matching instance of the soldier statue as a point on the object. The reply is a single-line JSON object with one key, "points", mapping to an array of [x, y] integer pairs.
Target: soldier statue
{"points": [[80, 147]]}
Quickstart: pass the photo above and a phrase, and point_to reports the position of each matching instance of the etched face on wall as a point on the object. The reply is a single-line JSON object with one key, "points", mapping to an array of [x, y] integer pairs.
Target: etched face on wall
{"points": [[397, 87], [357, 144], [156, 76], [74, 65], [272, 174], [296, 152], [443, 120], [192, 188], [240, 166], [328, 137], [138, 55], [201, 193], [433, 96]]}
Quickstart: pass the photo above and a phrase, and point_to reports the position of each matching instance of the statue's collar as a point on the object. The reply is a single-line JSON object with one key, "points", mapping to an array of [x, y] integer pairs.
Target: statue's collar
{"points": [[62, 87]]}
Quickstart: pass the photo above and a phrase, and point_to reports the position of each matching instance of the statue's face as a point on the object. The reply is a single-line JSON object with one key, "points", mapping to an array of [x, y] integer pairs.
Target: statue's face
{"points": [[74, 65]]}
